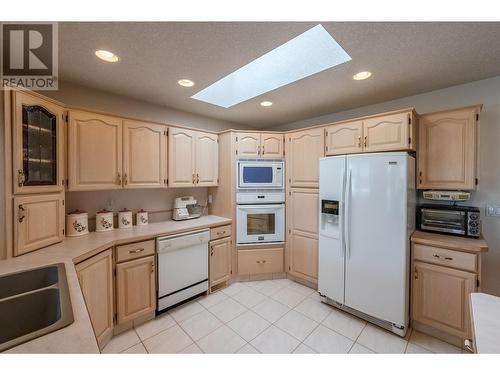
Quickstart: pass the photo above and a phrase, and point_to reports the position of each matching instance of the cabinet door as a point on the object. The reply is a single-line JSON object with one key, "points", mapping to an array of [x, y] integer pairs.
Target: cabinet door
{"points": [[345, 138], [96, 281], [39, 221], [220, 261], [207, 159], [304, 149], [302, 241], [441, 298], [387, 133], [144, 155], [38, 134], [181, 157], [272, 146], [447, 150], [94, 152], [135, 288], [248, 145]]}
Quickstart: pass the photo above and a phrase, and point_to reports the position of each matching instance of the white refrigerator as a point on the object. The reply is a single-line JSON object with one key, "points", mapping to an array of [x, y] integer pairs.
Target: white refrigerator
{"points": [[367, 214]]}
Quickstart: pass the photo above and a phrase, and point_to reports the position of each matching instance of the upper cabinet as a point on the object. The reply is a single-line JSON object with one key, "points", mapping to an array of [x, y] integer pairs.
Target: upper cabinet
{"points": [[448, 149], [260, 145], [94, 151], [38, 145], [303, 151], [193, 158], [144, 155], [344, 138]]}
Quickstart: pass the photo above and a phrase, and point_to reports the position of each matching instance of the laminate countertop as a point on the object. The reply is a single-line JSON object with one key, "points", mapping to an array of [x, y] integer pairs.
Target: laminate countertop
{"points": [[485, 313], [470, 245], [79, 337]]}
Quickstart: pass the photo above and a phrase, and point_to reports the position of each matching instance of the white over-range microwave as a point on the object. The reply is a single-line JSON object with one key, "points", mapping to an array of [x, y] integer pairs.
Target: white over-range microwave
{"points": [[260, 174]]}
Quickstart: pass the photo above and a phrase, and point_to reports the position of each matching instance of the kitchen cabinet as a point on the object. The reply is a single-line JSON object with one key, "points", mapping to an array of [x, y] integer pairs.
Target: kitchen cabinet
{"points": [[38, 221], [38, 145], [388, 132], [303, 229], [192, 158], [94, 151], [448, 149], [344, 138], [260, 145], [303, 151], [144, 155], [96, 282], [220, 261], [259, 260]]}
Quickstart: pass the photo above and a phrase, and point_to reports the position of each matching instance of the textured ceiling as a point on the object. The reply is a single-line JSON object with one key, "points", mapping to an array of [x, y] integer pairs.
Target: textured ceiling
{"points": [[405, 58]]}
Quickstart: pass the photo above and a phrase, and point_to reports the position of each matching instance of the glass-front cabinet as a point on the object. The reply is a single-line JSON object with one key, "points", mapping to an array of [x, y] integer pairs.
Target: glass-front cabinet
{"points": [[38, 145]]}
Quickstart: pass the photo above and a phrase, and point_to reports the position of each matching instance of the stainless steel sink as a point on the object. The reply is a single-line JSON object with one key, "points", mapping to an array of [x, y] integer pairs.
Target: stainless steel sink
{"points": [[33, 303]]}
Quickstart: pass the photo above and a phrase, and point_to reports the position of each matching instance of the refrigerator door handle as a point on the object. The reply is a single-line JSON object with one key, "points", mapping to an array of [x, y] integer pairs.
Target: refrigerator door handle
{"points": [[342, 214], [347, 218]]}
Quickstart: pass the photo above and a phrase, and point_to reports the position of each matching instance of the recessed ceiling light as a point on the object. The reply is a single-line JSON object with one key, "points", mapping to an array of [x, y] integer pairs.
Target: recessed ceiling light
{"points": [[106, 55], [185, 82], [266, 103], [361, 76]]}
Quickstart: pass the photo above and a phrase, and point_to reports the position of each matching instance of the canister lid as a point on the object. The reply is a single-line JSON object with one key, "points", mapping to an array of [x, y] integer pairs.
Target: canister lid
{"points": [[77, 212], [103, 211], [125, 210], [141, 210]]}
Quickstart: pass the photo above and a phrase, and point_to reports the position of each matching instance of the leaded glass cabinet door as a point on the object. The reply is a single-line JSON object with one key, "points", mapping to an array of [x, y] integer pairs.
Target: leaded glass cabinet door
{"points": [[38, 145]]}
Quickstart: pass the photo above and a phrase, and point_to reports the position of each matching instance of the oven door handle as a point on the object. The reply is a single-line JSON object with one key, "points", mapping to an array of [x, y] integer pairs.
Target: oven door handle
{"points": [[260, 207]]}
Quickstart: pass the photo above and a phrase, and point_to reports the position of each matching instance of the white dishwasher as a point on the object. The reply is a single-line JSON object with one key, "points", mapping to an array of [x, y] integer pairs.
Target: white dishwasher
{"points": [[182, 267]]}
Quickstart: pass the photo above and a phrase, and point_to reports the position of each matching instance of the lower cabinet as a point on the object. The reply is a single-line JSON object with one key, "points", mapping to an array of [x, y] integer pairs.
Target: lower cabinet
{"points": [[96, 281], [135, 289], [260, 260], [220, 262]]}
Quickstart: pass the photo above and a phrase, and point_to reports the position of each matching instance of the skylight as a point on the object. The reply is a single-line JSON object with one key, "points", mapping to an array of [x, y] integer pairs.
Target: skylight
{"points": [[309, 53]]}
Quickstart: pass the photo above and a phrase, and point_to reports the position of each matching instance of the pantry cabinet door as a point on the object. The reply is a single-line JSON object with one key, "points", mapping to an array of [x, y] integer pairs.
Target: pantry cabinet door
{"points": [[441, 298], [447, 150], [220, 261], [144, 155], [181, 157], [38, 145], [304, 149], [272, 146], [135, 289], [303, 229], [248, 145], [345, 138], [94, 152], [387, 133], [96, 282], [207, 159], [38, 221]]}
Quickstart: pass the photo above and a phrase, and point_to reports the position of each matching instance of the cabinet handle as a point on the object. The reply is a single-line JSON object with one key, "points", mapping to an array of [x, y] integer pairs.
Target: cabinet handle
{"points": [[441, 257], [21, 213], [415, 274], [420, 176], [260, 261], [125, 179], [366, 139], [359, 141], [197, 178], [136, 251], [263, 150], [468, 346], [119, 178], [258, 152], [153, 268], [21, 178], [219, 233], [194, 178], [211, 253]]}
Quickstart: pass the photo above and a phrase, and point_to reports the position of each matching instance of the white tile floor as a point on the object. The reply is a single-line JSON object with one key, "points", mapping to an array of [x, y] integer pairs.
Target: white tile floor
{"points": [[271, 316]]}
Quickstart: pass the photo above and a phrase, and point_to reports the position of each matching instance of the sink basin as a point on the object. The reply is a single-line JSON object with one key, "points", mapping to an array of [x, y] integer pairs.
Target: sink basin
{"points": [[32, 304]]}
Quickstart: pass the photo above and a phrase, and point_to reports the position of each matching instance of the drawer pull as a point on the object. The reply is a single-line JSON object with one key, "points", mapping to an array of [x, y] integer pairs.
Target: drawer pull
{"points": [[260, 261], [219, 233], [21, 213], [441, 257], [136, 251]]}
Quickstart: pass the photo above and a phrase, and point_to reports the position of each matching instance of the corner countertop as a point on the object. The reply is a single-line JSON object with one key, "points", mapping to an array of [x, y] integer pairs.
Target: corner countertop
{"points": [[470, 245], [79, 337], [485, 310]]}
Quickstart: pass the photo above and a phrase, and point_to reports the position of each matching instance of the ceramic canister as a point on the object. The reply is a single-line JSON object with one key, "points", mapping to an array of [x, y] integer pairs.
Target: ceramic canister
{"points": [[77, 223], [104, 221], [141, 217], [125, 219]]}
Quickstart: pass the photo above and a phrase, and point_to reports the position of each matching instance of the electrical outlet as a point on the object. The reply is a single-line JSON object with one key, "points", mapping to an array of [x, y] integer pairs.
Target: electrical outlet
{"points": [[210, 198], [492, 210]]}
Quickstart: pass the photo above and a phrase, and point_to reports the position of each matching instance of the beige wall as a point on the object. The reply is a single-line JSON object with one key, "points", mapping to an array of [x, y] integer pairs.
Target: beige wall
{"points": [[486, 92]]}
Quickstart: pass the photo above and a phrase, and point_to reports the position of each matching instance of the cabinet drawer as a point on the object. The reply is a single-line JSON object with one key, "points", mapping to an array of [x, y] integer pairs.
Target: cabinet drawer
{"points": [[134, 250], [445, 257], [251, 262], [219, 232]]}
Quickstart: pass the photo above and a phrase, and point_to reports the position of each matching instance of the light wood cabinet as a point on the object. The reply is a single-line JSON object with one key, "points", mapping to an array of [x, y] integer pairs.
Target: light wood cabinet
{"points": [[38, 145], [303, 151], [448, 149], [38, 221], [248, 145], [254, 261], [220, 261], [440, 297], [260, 145], [94, 151], [96, 282], [303, 229], [135, 288], [344, 138], [207, 159], [144, 155], [272, 146], [387, 133]]}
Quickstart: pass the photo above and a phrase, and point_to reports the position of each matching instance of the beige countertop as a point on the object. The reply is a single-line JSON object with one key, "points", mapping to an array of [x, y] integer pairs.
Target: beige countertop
{"points": [[485, 313], [79, 337], [470, 245]]}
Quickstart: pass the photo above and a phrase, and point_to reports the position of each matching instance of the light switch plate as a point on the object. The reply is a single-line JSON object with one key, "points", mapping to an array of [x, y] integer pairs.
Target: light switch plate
{"points": [[492, 210]]}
